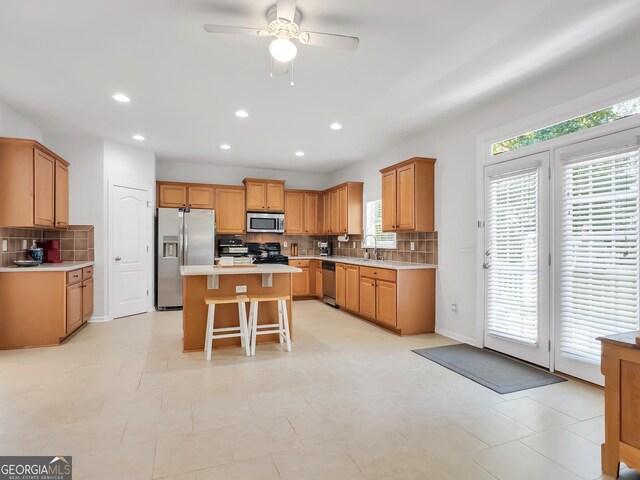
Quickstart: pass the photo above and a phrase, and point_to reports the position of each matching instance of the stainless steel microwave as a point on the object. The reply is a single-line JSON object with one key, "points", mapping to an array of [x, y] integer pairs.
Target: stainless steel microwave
{"points": [[265, 222]]}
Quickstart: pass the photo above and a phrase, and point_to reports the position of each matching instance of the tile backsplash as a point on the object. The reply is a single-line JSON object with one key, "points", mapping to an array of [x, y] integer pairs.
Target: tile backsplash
{"points": [[425, 245], [76, 243]]}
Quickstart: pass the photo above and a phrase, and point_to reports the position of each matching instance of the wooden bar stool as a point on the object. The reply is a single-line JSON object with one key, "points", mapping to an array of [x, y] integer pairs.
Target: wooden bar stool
{"points": [[229, 332], [281, 328]]}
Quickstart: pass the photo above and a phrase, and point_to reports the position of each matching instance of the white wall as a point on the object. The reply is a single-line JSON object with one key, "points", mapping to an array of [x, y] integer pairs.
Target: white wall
{"points": [[453, 142], [12, 124], [134, 166], [206, 173], [86, 180]]}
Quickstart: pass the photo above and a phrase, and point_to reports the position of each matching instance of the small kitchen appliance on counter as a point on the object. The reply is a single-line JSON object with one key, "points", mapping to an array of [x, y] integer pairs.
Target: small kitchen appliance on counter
{"points": [[325, 249], [269, 252], [50, 251], [233, 247]]}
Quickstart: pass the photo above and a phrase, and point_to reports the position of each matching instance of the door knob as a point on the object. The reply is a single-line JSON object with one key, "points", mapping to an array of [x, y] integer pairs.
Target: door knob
{"points": [[118, 259]]}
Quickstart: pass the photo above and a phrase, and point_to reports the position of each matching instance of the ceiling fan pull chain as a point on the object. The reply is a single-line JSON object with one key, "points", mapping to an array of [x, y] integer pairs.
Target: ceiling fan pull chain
{"points": [[271, 73], [292, 82]]}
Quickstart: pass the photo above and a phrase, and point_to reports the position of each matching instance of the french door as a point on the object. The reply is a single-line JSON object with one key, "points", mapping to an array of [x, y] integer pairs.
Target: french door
{"points": [[597, 238], [516, 256], [552, 316]]}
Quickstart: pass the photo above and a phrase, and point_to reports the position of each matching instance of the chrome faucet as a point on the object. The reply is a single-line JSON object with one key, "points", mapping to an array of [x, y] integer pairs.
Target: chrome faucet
{"points": [[375, 245]]}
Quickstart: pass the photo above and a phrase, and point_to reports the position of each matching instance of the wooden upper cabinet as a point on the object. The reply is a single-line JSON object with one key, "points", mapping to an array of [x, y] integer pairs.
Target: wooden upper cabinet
{"points": [[44, 168], [389, 201], [264, 195], [62, 195], [326, 213], [311, 213], [34, 185], [343, 209], [200, 196], [334, 215], [408, 196], [275, 196], [172, 195], [256, 195], [294, 213], [231, 214], [186, 195]]}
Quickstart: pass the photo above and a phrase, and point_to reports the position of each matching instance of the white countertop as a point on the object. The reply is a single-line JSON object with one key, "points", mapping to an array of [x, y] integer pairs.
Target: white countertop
{"points": [[48, 267], [257, 269], [369, 263]]}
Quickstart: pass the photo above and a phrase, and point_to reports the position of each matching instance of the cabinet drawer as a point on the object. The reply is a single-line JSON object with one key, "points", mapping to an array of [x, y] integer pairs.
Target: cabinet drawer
{"points": [[378, 273], [87, 272], [298, 263], [74, 277]]}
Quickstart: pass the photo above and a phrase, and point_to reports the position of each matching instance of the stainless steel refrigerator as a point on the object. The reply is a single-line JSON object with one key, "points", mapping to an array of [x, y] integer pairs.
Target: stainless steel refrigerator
{"points": [[184, 238]]}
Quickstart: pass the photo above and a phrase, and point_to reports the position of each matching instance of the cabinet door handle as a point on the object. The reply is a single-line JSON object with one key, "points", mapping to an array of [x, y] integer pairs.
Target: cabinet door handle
{"points": [[117, 259]]}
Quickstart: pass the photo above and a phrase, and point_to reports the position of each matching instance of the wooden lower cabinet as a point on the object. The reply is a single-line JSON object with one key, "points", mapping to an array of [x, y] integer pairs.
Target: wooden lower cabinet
{"points": [[303, 284], [400, 300], [368, 298], [74, 307], [386, 302], [79, 298], [318, 275], [621, 369], [62, 302], [348, 287], [87, 299]]}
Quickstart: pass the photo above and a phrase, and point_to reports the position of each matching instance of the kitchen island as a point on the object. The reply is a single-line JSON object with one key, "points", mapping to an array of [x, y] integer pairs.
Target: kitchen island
{"points": [[200, 281]]}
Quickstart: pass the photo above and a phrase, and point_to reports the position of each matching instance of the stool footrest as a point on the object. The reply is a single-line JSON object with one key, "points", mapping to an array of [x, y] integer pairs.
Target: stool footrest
{"points": [[269, 325], [268, 332], [227, 335], [229, 329]]}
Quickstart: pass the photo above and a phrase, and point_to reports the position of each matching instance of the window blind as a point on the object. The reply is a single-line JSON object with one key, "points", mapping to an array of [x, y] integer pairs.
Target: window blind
{"points": [[512, 283], [599, 250]]}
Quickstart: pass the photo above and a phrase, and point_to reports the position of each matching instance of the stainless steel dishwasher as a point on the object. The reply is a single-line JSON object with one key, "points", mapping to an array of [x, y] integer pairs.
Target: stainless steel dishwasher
{"points": [[329, 282]]}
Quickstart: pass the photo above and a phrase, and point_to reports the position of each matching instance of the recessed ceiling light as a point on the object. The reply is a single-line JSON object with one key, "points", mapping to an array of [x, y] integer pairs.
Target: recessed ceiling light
{"points": [[121, 97], [138, 137], [242, 114], [299, 153], [335, 126], [225, 146]]}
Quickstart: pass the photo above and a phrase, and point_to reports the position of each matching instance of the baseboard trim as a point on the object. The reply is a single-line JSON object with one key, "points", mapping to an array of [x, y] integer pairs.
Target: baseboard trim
{"points": [[456, 336], [99, 319]]}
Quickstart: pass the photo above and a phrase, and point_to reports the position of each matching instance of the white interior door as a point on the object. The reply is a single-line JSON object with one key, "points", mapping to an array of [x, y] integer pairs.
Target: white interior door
{"points": [[597, 238], [517, 258], [129, 251]]}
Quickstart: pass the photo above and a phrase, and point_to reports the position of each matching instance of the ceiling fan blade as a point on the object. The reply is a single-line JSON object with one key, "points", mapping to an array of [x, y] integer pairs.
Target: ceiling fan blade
{"points": [[286, 9], [329, 40], [236, 30], [279, 68]]}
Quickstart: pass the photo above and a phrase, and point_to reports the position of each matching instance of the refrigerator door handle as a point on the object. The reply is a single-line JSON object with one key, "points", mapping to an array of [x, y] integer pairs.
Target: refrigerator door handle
{"points": [[186, 244], [181, 245]]}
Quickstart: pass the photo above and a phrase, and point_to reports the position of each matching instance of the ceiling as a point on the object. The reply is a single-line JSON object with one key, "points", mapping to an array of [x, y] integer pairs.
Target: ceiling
{"points": [[60, 63]]}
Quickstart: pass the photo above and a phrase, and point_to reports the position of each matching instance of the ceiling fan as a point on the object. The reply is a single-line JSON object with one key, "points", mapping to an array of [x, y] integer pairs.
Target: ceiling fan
{"points": [[284, 25]]}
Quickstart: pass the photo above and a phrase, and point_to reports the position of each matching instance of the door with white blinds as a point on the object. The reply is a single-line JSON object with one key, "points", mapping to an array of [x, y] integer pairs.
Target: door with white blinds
{"points": [[516, 258], [597, 238]]}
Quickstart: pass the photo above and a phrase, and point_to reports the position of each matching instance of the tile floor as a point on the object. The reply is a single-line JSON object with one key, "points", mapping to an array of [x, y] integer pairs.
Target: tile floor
{"points": [[350, 402]]}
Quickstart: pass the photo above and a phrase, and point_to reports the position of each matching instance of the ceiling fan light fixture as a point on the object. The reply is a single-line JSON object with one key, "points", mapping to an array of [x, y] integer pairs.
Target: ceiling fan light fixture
{"points": [[283, 50]]}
